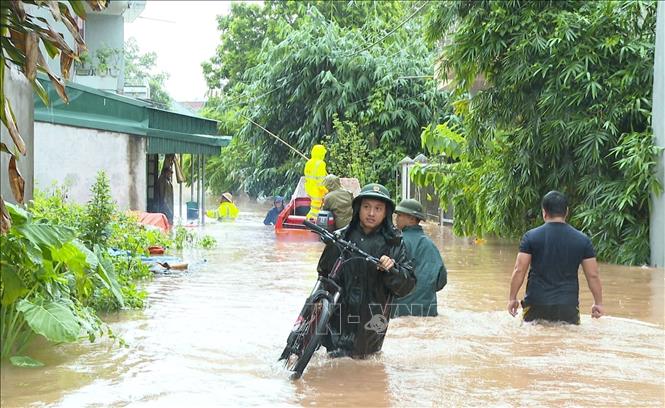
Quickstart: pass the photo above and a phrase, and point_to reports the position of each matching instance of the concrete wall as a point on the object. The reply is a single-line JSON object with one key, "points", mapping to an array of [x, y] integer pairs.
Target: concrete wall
{"points": [[73, 156], [19, 92], [657, 225], [101, 30], [106, 31]]}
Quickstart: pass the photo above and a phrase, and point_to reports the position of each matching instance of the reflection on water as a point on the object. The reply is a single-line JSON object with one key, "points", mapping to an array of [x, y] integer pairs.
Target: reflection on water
{"points": [[211, 337]]}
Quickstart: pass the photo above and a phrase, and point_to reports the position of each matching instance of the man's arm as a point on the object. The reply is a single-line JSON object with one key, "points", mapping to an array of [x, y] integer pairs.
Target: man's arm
{"points": [[590, 267], [402, 279], [519, 272]]}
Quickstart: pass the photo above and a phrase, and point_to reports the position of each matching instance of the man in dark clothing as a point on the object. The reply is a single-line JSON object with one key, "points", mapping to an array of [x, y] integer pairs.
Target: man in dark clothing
{"points": [[164, 193], [271, 216], [555, 251], [359, 325], [430, 271], [338, 201]]}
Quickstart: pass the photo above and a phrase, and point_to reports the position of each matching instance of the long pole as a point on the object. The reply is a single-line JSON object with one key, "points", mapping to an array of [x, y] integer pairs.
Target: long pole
{"points": [[199, 193], [191, 177], [657, 215], [203, 190], [276, 137]]}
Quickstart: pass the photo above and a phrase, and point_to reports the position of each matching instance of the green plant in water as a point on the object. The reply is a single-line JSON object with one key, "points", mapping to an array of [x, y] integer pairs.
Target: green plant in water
{"points": [[99, 212], [124, 234], [208, 242], [127, 234], [182, 236], [47, 278], [53, 206], [185, 238]]}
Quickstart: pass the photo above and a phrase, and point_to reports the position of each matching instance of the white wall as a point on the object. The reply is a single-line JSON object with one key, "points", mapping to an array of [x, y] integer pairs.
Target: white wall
{"points": [[19, 91], [72, 155]]}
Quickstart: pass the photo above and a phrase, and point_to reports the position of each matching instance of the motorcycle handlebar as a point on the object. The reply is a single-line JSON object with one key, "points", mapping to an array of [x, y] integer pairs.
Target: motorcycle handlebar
{"points": [[327, 236], [317, 229]]}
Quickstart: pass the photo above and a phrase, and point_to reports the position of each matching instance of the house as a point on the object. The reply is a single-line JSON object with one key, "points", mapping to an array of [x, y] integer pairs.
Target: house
{"points": [[102, 129], [122, 136]]}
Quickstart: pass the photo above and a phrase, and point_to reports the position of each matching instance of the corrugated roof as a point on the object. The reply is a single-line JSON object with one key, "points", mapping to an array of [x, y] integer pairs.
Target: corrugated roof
{"points": [[167, 132]]}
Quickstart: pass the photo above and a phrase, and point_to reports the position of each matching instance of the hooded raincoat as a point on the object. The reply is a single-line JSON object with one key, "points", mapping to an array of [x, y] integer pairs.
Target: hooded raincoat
{"points": [[359, 325], [430, 271], [338, 200], [273, 213]]}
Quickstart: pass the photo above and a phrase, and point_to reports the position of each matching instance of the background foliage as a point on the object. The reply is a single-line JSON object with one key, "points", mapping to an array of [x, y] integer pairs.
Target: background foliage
{"points": [[318, 66], [141, 66], [566, 105]]}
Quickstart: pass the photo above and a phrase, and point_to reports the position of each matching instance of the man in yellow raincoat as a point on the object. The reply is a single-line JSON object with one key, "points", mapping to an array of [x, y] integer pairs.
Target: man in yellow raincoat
{"points": [[227, 210], [315, 171]]}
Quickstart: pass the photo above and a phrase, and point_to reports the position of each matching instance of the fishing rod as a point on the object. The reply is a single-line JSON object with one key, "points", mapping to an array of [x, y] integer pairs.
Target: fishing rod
{"points": [[276, 137]]}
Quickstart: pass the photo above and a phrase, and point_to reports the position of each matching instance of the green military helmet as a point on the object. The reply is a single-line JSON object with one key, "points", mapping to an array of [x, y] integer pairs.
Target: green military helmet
{"points": [[411, 207], [376, 191]]}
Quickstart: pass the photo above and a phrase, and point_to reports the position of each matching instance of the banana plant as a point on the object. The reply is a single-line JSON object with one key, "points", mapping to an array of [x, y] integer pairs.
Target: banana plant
{"points": [[21, 33]]}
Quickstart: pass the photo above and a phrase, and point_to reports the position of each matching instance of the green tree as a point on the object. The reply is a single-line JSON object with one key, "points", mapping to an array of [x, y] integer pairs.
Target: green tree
{"points": [[566, 105], [249, 28], [242, 33], [321, 70], [140, 67], [348, 151], [99, 212]]}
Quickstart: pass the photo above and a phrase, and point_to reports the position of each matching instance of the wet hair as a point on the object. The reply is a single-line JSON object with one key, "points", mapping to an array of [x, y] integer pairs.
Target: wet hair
{"points": [[555, 204]]}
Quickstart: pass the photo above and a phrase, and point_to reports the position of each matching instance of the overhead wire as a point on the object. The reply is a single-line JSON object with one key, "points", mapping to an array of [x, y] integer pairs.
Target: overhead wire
{"points": [[232, 101], [406, 20]]}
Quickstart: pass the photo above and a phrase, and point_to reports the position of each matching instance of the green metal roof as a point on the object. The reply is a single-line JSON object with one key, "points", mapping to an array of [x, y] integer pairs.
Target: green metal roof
{"points": [[167, 132]]}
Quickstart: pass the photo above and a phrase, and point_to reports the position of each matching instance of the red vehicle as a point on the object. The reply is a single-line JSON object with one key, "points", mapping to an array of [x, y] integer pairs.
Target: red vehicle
{"points": [[290, 220]]}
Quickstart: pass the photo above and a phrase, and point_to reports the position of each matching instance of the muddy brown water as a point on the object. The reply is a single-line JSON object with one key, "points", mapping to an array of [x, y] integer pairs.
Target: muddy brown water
{"points": [[211, 337]]}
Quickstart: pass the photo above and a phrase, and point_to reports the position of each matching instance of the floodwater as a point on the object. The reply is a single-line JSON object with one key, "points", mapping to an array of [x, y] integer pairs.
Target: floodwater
{"points": [[211, 337]]}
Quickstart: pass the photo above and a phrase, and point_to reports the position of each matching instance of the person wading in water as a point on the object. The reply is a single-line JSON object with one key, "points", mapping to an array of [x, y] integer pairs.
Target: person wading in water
{"points": [[360, 324], [552, 253]]}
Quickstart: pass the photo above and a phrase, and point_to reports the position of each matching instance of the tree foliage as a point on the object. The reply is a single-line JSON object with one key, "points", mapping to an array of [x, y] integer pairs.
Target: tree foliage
{"points": [[249, 28], [566, 106], [348, 152], [320, 70], [140, 67], [99, 212]]}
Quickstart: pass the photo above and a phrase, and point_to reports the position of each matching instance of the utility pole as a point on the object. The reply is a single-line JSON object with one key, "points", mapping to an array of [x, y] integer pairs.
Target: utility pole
{"points": [[657, 216]]}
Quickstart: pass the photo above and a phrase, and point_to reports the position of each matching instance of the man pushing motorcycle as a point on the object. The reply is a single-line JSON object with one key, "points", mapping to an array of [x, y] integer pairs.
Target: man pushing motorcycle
{"points": [[359, 324]]}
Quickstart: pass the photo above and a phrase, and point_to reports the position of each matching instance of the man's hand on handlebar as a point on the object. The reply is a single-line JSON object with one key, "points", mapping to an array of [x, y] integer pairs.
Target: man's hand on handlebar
{"points": [[385, 263]]}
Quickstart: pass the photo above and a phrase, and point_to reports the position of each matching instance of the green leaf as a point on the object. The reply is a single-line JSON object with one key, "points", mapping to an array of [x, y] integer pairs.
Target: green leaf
{"points": [[71, 255], [107, 274], [52, 320], [79, 7], [18, 215], [25, 361], [51, 48], [90, 256], [41, 92], [45, 235], [12, 286]]}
